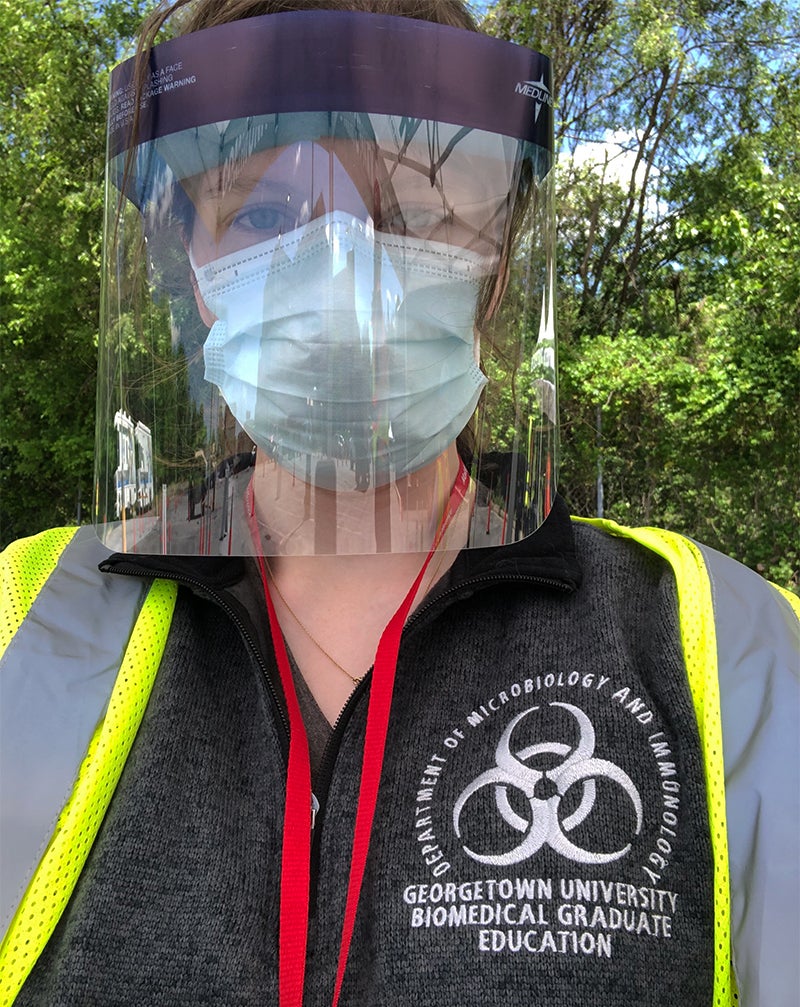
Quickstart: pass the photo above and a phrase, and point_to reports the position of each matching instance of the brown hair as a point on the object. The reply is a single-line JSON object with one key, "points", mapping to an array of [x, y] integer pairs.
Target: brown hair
{"points": [[184, 16]]}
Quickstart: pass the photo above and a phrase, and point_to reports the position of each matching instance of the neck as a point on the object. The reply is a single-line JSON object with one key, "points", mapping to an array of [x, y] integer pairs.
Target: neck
{"points": [[333, 609], [320, 511]]}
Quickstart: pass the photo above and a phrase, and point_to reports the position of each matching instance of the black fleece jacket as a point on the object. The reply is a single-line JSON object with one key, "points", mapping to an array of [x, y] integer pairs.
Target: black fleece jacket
{"points": [[541, 831]]}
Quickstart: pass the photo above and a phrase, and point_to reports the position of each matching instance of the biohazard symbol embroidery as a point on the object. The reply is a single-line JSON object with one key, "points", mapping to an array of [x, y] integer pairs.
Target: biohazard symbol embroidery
{"points": [[544, 825]]}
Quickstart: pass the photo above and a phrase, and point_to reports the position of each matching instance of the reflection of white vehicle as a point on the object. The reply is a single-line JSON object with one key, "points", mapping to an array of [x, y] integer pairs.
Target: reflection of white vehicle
{"points": [[144, 469], [134, 475], [125, 476]]}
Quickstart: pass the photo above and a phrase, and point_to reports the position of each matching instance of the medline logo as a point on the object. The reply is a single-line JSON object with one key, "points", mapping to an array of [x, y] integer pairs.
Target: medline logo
{"points": [[536, 89], [540, 792]]}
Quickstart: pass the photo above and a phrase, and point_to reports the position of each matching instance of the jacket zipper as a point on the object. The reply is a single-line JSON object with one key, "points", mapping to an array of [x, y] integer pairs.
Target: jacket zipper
{"points": [[325, 775], [486, 580], [219, 600], [319, 796]]}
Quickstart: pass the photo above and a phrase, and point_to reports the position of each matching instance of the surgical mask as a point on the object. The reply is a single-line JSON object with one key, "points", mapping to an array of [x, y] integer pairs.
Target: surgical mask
{"points": [[338, 338]]}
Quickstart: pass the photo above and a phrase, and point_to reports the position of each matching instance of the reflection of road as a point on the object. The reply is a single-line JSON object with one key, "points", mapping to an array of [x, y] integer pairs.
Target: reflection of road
{"points": [[131, 535], [211, 524], [489, 526], [193, 526], [201, 526]]}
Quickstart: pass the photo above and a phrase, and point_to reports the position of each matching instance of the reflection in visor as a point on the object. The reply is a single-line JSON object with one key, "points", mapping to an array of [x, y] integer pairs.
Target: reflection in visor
{"points": [[329, 292], [453, 188]]}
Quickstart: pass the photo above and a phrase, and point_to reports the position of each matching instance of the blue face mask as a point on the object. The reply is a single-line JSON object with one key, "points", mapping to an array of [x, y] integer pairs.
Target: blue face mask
{"points": [[337, 333]]}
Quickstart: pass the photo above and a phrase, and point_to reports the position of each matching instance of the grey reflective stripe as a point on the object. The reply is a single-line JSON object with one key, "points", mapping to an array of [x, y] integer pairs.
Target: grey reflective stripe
{"points": [[56, 677], [758, 643]]}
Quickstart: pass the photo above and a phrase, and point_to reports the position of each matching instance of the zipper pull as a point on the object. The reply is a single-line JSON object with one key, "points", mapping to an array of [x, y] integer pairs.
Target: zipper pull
{"points": [[314, 810]]}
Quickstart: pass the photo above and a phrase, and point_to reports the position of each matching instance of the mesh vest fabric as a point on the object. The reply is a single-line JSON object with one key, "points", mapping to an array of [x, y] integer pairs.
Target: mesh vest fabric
{"points": [[29, 562], [183, 731], [29, 566], [698, 636]]}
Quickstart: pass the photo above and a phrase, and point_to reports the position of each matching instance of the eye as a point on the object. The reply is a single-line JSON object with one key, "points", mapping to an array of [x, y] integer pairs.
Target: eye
{"points": [[265, 220], [420, 221]]}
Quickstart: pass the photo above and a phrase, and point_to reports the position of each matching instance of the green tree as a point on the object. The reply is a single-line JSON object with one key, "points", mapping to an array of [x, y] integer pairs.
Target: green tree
{"points": [[53, 92], [678, 287]]}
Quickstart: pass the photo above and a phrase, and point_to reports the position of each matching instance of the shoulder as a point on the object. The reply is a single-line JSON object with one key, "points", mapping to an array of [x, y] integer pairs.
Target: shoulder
{"points": [[25, 566], [731, 588], [36, 552], [55, 577], [757, 632], [739, 633], [27, 563], [741, 643]]}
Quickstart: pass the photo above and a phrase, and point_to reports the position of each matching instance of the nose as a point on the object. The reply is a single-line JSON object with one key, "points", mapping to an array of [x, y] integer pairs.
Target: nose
{"points": [[334, 188]]}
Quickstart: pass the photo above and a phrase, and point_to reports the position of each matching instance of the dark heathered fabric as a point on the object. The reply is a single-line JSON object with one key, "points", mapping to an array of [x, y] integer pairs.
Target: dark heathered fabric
{"points": [[178, 903], [249, 592]]}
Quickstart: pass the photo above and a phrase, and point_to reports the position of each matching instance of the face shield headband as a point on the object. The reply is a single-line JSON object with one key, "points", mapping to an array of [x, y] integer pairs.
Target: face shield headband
{"points": [[325, 280]]}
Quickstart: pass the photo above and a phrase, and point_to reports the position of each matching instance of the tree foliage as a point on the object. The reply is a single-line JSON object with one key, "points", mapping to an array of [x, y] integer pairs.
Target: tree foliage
{"points": [[678, 203], [53, 94], [679, 293]]}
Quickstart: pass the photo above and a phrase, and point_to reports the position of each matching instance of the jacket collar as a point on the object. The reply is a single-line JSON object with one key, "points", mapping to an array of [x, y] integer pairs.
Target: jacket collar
{"points": [[549, 556]]}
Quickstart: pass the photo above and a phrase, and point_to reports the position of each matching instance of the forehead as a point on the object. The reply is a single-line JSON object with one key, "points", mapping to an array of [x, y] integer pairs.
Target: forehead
{"points": [[421, 168]]}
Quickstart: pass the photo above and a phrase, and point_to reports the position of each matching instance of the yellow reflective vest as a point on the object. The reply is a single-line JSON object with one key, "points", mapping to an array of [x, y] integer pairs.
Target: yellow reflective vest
{"points": [[65, 737]]}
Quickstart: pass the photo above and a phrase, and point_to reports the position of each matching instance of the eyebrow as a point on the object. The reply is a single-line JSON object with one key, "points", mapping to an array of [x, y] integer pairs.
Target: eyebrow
{"points": [[240, 185]]}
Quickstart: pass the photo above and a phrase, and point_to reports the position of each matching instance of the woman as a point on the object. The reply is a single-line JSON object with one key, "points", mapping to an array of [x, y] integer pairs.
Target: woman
{"points": [[412, 736]]}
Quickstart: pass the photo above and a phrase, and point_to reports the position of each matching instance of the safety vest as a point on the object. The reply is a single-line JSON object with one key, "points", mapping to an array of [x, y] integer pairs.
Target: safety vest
{"points": [[67, 721]]}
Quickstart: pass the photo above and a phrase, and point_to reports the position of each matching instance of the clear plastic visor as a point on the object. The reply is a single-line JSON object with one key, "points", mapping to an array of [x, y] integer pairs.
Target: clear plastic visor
{"points": [[310, 322]]}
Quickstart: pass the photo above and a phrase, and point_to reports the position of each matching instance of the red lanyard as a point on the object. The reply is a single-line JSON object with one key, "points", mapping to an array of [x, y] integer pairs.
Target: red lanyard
{"points": [[296, 851]]}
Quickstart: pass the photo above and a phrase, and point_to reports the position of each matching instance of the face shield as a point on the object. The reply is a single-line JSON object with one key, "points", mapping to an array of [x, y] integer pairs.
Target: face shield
{"points": [[328, 283]]}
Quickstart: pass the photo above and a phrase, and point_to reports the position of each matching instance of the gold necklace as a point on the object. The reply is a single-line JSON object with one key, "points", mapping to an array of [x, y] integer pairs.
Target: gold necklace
{"points": [[313, 639]]}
